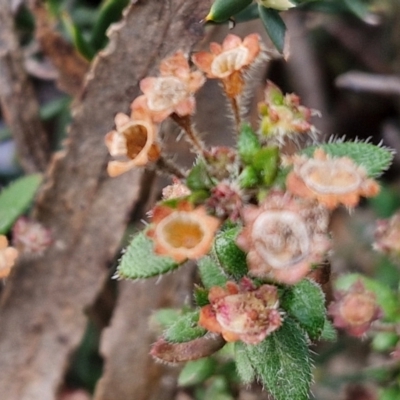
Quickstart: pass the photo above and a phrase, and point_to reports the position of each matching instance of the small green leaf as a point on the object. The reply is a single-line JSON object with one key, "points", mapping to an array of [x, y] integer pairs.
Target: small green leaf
{"points": [[248, 178], [248, 144], [110, 12], [266, 162], [305, 302], [386, 298], [185, 328], [357, 7], [197, 371], [140, 261], [198, 178], [282, 362], [222, 10], [165, 316], [218, 389], [16, 198], [274, 26], [329, 333], [385, 341], [231, 259], [248, 14], [210, 273], [375, 159], [244, 367], [200, 296]]}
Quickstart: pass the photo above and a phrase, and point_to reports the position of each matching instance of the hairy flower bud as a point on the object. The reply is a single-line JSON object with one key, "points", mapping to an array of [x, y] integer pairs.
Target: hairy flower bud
{"points": [[355, 309], [242, 312], [284, 237], [387, 236]]}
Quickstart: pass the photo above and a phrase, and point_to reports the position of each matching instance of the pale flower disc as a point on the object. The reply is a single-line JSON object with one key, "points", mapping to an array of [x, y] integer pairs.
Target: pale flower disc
{"points": [[168, 92], [280, 238], [229, 61]]}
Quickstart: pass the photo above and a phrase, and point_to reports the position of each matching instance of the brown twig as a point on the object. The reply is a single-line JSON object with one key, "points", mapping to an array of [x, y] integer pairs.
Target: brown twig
{"points": [[18, 101]]}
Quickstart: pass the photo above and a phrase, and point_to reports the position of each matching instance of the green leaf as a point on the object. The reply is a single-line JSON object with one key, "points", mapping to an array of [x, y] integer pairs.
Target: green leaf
{"points": [[375, 159], [248, 178], [200, 296], [357, 7], [244, 367], [248, 143], [198, 178], [197, 371], [218, 389], [210, 273], [329, 333], [384, 341], [80, 43], [140, 261], [16, 198], [386, 298], [305, 302], [266, 162], [274, 26], [222, 10], [185, 328], [165, 316], [282, 362], [248, 14], [231, 259], [110, 12]]}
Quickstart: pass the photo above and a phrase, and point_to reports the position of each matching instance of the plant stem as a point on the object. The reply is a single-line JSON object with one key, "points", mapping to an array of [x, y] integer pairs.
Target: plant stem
{"points": [[236, 112], [169, 167]]}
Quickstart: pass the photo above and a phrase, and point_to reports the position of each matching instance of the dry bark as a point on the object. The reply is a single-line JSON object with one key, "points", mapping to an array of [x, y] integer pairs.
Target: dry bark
{"points": [[42, 309], [17, 98]]}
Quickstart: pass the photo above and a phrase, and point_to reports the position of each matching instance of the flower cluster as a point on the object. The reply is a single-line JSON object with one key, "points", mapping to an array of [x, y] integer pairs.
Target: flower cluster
{"points": [[255, 219]]}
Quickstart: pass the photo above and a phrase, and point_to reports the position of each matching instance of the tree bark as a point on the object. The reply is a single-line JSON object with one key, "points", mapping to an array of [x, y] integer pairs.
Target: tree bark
{"points": [[42, 309]]}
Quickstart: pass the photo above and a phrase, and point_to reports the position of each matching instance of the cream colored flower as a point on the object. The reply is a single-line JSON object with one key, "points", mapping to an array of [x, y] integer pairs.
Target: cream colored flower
{"points": [[173, 91], [183, 232], [8, 256], [133, 142], [284, 237], [330, 180], [229, 60], [280, 5]]}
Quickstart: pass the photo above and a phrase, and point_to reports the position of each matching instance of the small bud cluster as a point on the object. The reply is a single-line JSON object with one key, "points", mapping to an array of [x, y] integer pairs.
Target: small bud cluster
{"points": [[277, 206], [387, 236]]}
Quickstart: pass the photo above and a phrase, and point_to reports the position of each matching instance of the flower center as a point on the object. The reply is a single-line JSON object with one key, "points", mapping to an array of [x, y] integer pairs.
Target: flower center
{"points": [[280, 238], [167, 92], [229, 61], [330, 176], [136, 137], [181, 230]]}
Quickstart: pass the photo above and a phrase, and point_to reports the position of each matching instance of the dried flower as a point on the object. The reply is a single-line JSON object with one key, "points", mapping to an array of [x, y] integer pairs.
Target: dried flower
{"points": [[355, 309], [284, 237], [8, 256], [242, 312], [30, 236], [282, 115], [183, 232], [229, 61], [330, 180], [173, 91], [134, 141], [387, 236]]}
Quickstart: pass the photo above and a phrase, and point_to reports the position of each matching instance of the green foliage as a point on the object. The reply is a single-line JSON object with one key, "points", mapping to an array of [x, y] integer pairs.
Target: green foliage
{"points": [[244, 366], [384, 341], [165, 316], [282, 362], [329, 332], [139, 260], [274, 26], [305, 302], [198, 178], [266, 161], [248, 178], [228, 255], [223, 10], [16, 198], [248, 144], [185, 328], [197, 371], [386, 298], [210, 273], [375, 159]]}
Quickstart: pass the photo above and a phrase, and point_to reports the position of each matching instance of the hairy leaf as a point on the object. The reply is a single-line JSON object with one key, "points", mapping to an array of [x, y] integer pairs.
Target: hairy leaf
{"points": [[185, 328], [16, 198], [375, 159], [244, 367], [210, 273], [248, 143], [140, 261], [282, 362], [305, 302], [197, 371]]}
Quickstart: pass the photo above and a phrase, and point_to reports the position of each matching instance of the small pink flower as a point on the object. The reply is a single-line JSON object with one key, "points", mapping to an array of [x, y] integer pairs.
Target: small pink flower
{"points": [[8, 256], [387, 236], [183, 232], [283, 115], [134, 141], [284, 237], [355, 309], [330, 180], [229, 61], [242, 312], [30, 236], [173, 91]]}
